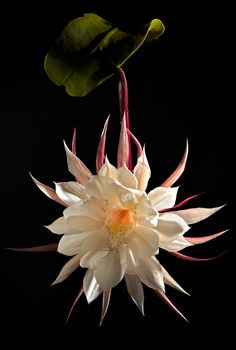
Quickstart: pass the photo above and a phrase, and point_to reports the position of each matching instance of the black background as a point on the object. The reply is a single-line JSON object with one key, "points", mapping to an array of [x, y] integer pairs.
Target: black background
{"points": [[181, 86]]}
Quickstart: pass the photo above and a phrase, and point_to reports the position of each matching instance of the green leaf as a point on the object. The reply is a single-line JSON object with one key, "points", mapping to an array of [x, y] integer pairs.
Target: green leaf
{"points": [[118, 46], [90, 49]]}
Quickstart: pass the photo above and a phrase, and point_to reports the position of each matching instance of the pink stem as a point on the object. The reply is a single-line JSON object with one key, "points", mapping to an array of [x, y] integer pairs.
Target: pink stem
{"points": [[124, 107]]}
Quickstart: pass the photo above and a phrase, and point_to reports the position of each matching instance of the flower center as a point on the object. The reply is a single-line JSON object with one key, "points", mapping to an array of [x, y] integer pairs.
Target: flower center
{"points": [[120, 224]]}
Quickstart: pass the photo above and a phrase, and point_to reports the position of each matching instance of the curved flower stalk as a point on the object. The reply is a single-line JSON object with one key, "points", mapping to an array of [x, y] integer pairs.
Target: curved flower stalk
{"points": [[114, 228]]}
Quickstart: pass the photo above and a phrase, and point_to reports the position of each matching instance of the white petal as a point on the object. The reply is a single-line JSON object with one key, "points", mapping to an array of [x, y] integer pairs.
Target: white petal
{"points": [[176, 245], [84, 223], [96, 241], [147, 223], [170, 227], [91, 288], [93, 258], [97, 186], [108, 170], [150, 273], [142, 171], [109, 272], [144, 242], [75, 209], [77, 167], [67, 269], [59, 226], [132, 199], [70, 192], [163, 198], [135, 290], [70, 244], [193, 215], [146, 214], [128, 261], [119, 196], [126, 177], [95, 208]]}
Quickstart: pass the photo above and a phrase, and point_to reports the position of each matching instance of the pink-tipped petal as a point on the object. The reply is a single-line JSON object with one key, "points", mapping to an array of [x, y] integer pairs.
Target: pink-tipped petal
{"points": [[105, 304], [123, 147], [139, 147], [73, 148], [73, 305], [169, 303], [100, 157], [204, 239], [77, 167], [178, 171], [190, 258], [194, 215], [37, 249], [67, 269], [181, 203], [48, 191]]}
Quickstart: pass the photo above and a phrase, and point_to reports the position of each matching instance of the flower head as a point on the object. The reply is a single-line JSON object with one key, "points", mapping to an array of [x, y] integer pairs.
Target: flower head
{"points": [[114, 227]]}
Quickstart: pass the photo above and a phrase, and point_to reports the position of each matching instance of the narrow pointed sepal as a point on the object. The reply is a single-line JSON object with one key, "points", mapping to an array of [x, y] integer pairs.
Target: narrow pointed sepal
{"points": [[178, 171], [184, 201], [77, 167], [168, 279], [136, 141], [162, 295], [73, 148], [204, 239], [194, 215], [105, 303], [123, 147], [48, 191], [67, 269], [81, 291], [100, 157], [191, 258], [37, 249]]}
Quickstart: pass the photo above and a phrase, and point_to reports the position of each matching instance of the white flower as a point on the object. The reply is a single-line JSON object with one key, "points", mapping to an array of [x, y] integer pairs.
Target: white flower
{"points": [[114, 228]]}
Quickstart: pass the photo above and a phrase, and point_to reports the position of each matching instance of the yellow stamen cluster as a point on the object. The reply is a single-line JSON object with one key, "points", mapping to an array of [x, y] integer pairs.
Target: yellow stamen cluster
{"points": [[120, 224]]}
